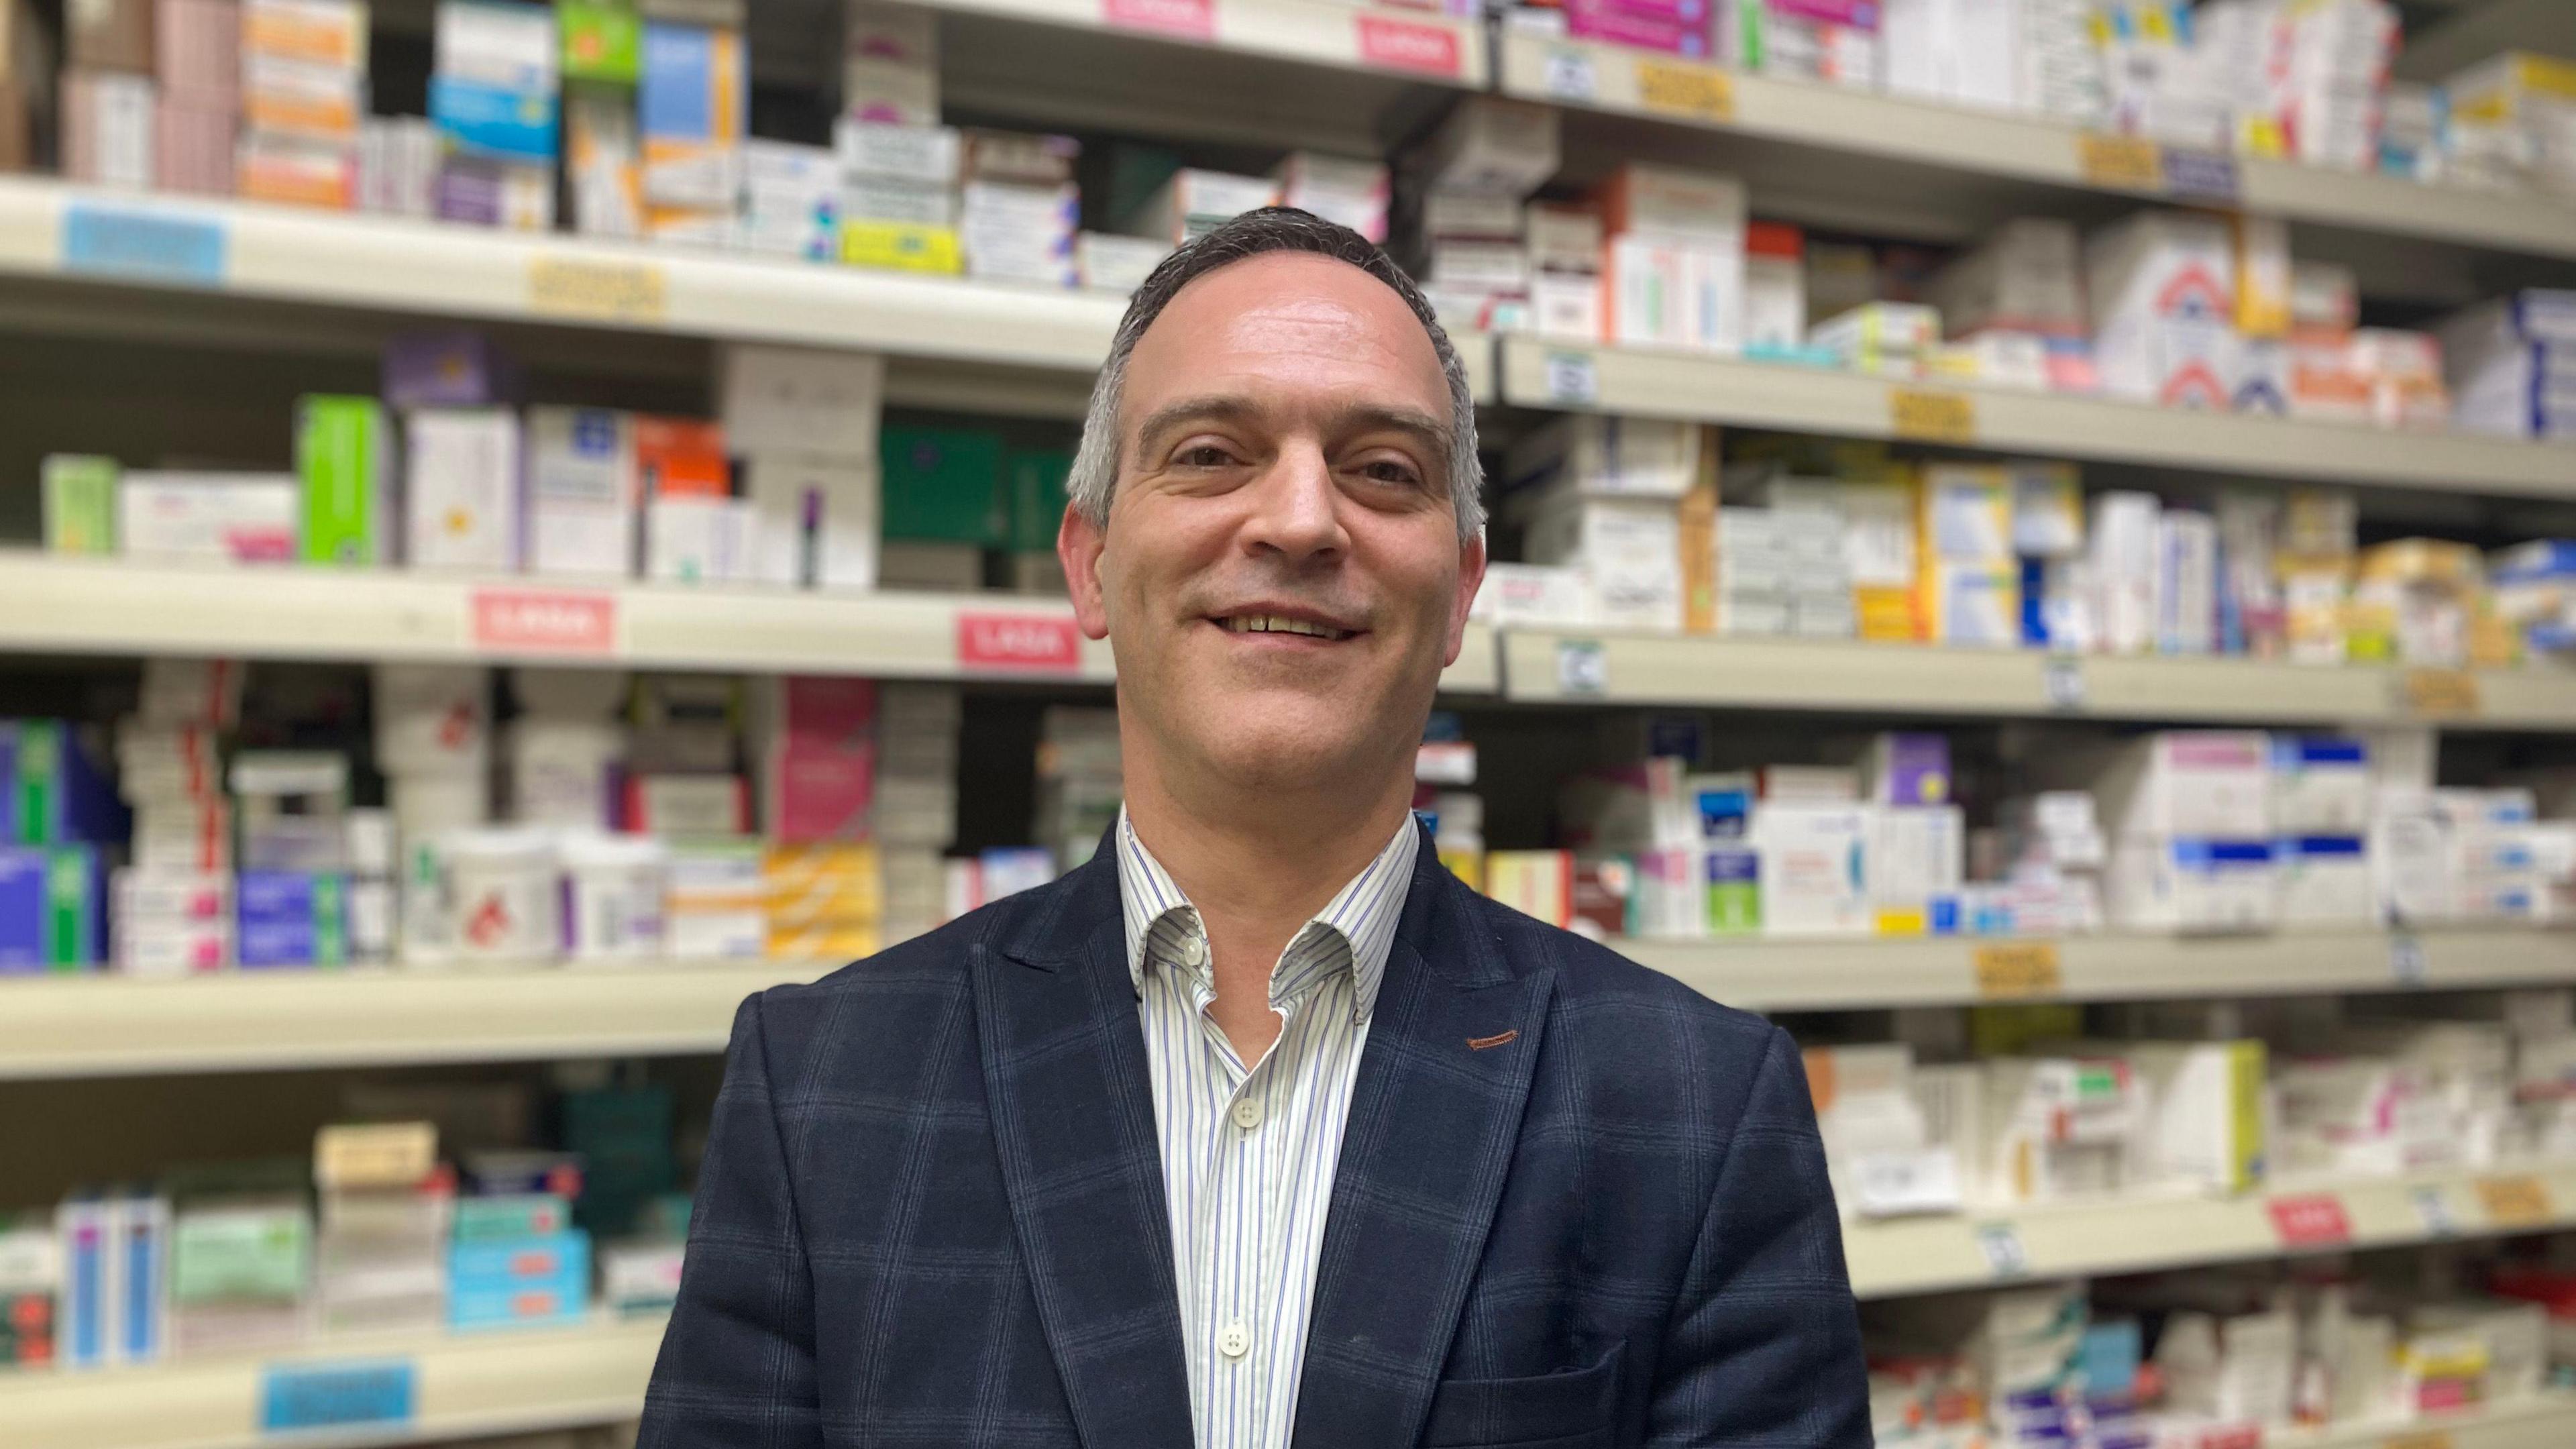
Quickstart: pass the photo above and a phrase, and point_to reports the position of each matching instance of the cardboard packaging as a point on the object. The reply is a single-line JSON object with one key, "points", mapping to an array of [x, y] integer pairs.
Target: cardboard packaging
{"points": [[584, 484], [462, 496], [693, 102], [343, 455]]}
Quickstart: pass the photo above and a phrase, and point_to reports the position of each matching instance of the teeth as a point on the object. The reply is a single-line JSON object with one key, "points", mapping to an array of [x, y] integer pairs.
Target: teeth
{"points": [[1274, 624]]}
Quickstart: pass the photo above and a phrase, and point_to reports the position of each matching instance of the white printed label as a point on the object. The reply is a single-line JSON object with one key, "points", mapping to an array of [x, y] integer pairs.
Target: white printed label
{"points": [[1570, 76], [2002, 1245], [1582, 667], [2406, 958], [1891, 1184], [2434, 1211], [2062, 681], [1572, 378]]}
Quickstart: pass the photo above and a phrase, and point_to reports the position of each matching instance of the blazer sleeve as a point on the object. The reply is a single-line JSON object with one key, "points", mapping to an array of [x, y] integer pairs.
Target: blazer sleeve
{"points": [[736, 1369], [1763, 1347]]}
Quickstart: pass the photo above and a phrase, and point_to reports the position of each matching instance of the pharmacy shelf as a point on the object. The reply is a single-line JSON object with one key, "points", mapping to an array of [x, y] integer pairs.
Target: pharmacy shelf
{"points": [[306, 258], [58, 605], [462, 1386], [107, 1025], [1826, 975], [2544, 1422], [1785, 123], [1413, 44], [1894, 1257], [1639, 382], [114, 1026], [1749, 672]]}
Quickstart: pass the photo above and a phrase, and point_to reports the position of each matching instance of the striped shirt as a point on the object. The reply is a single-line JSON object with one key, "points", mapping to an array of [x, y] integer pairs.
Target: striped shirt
{"points": [[1249, 1152]]}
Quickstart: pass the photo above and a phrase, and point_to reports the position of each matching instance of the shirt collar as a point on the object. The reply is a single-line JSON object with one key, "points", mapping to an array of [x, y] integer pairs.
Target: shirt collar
{"points": [[1358, 925]]}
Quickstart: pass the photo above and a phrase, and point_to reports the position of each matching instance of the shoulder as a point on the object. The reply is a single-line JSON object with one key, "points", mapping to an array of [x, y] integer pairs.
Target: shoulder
{"points": [[1624, 1018]]}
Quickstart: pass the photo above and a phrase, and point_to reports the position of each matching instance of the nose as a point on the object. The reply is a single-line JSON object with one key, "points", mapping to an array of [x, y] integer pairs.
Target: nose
{"points": [[1296, 509]]}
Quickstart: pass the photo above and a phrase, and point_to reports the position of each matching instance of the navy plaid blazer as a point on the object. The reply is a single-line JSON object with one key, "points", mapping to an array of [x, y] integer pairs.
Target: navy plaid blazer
{"points": [[931, 1213]]}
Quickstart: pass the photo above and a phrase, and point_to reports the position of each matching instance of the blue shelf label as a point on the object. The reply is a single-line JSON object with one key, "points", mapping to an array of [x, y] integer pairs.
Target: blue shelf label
{"points": [[327, 1395], [2200, 176], [143, 246]]}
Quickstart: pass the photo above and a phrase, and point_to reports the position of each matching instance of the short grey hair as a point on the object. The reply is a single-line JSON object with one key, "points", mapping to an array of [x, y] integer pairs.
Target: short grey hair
{"points": [[1256, 233]]}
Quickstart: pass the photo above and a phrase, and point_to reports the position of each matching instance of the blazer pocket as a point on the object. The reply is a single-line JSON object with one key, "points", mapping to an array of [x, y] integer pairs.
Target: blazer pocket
{"points": [[1575, 1409]]}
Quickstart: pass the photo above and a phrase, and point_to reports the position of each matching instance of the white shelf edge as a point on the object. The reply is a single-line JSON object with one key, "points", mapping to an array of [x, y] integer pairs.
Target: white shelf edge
{"points": [[1901, 1257], [1973, 142], [469, 1385], [1822, 975], [1763, 672], [1309, 32], [1640, 382], [102, 1024]]}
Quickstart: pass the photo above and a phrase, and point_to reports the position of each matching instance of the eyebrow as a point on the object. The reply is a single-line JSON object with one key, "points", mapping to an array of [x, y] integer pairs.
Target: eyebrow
{"points": [[1430, 432]]}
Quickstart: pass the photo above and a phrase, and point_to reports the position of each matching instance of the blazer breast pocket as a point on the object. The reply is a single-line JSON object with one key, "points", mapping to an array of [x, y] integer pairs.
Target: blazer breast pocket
{"points": [[1577, 1409]]}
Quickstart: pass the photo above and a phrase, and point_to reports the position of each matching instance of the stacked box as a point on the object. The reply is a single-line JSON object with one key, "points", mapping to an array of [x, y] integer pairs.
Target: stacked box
{"points": [[1195, 201], [495, 99], [2163, 293], [30, 1280], [890, 64], [583, 486], [113, 1251], [304, 90], [1958, 52], [1352, 193], [2513, 123], [198, 50], [520, 1280], [1969, 577], [385, 1207], [693, 107], [2511, 365], [1079, 782], [804, 422], [433, 743], [914, 814], [1822, 40], [344, 458], [1674, 27], [791, 201], [1019, 209], [241, 1268], [817, 759], [899, 195], [208, 518], [1673, 265]]}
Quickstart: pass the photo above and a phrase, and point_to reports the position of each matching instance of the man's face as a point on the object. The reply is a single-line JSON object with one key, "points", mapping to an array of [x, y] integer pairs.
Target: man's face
{"points": [[1281, 576]]}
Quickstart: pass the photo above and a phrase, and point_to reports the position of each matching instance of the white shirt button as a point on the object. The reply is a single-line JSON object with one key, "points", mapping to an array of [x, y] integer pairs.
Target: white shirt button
{"points": [[1193, 951], [1234, 1341], [1247, 1113]]}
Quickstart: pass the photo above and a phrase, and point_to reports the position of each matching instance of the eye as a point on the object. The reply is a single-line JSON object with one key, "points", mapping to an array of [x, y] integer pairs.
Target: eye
{"points": [[1203, 455], [1392, 471]]}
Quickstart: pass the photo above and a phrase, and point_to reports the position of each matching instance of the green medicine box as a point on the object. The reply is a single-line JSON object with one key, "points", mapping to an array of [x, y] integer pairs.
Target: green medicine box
{"points": [[343, 452], [944, 485], [232, 1254], [602, 41], [1037, 484], [80, 504]]}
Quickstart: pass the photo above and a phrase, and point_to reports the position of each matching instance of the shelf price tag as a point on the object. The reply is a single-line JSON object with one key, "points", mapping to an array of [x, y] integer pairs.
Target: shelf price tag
{"points": [[1572, 377], [1042, 643], [2199, 175], [2001, 1243], [2440, 693], [1932, 417], [143, 246], [2126, 163], [1894, 1184], [1193, 19], [2406, 958], [2520, 1201], [1406, 45], [2429, 1439], [2310, 1220], [2061, 682], [2433, 1210], [1582, 667], [1567, 75], [598, 290], [544, 621], [297, 1396], [1693, 92], [2017, 970]]}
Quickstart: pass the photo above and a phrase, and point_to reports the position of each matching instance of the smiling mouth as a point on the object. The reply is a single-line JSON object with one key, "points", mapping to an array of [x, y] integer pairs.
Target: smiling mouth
{"points": [[1278, 624]]}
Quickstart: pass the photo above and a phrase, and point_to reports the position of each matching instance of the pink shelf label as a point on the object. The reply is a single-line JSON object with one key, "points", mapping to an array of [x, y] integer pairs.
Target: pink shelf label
{"points": [[1194, 19], [1018, 641], [552, 621], [2315, 1220], [1404, 45]]}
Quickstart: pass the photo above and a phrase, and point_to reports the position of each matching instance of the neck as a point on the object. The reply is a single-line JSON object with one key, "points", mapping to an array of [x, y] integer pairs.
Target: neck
{"points": [[1258, 861]]}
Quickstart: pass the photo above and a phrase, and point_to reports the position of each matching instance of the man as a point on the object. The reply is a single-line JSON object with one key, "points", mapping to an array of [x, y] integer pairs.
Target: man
{"points": [[1260, 1129]]}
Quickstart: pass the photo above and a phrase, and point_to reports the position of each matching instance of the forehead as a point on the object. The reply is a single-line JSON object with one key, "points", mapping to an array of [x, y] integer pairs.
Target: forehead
{"points": [[1287, 322]]}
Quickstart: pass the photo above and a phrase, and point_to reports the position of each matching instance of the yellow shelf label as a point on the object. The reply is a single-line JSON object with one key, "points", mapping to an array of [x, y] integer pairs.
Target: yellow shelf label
{"points": [[2441, 693], [1932, 417], [2431, 1439], [2009, 969], [2516, 1202], [598, 291], [2128, 163], [1696, 92]]}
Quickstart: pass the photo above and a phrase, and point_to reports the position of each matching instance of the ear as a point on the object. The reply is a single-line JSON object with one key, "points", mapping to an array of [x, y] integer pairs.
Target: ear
{"points": [[1471, 577], [1078, 542]]}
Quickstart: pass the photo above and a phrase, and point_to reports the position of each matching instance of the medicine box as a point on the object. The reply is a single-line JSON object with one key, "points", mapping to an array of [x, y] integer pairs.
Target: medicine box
{"points": [[497, 43], [603, 40], [944, 484], [801, 400], [693, 105], [461, 492], [2320, 785], [559, 1259], [53, 908], [344, 456], [210, 518], [2207, 783], [1538, 883], [2326, 881], [80, 504], [55, 788], [511, 1216], [1813, 868], [291, 918], [476, 118], [114, 1252], [583, 483], [1607, 457], [2193, 883]]}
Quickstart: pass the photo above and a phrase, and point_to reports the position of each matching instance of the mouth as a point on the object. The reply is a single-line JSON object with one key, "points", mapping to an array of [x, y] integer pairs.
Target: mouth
{"points": [[1282, 626]]}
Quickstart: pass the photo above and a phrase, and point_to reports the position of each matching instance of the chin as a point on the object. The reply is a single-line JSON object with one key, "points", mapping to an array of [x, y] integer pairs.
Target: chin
{"points": [[1292, 745]]}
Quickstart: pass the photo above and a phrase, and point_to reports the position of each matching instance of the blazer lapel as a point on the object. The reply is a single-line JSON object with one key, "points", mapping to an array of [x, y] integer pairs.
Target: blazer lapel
{"points": [[1073, 1117], [1434, 1117]]}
